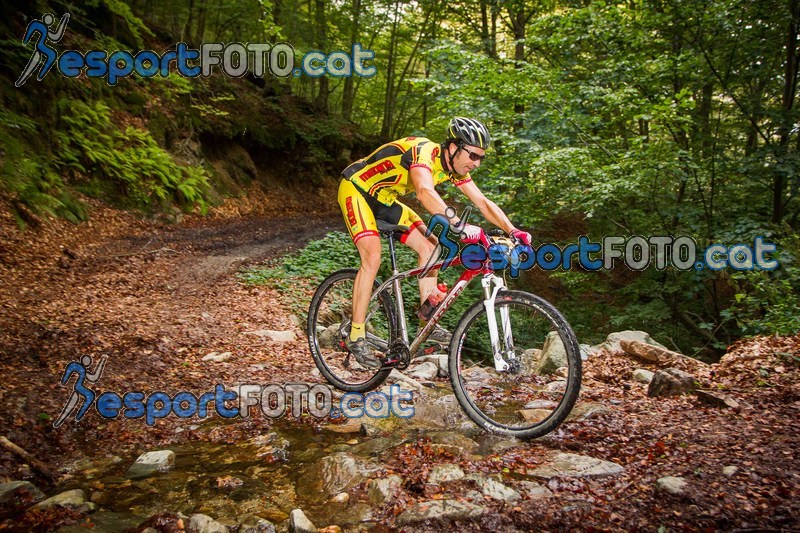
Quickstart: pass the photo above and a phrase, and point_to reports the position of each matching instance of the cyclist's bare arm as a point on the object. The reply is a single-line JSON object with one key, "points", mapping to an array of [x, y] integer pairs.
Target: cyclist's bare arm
{"points": [[422, 179], [490, 210]]}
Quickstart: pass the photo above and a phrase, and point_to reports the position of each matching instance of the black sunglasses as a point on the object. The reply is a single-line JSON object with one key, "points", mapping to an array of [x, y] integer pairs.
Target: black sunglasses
{"points": [[472, 155]]}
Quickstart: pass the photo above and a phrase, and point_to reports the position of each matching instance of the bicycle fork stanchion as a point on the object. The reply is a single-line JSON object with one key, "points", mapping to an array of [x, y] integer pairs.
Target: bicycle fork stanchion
{"points": [[491, 286]]}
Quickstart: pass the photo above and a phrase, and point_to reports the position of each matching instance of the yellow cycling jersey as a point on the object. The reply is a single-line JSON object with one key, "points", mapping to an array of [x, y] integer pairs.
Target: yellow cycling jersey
{"points": [[384, 173]]}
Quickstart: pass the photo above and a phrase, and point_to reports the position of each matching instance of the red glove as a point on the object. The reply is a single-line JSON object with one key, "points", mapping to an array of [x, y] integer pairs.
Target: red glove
{"points": [[472, 234], [522, 236]]}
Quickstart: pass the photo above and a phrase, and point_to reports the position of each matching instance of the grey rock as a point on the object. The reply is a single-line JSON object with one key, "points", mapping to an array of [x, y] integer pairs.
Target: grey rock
{"points": [[384, 490], [494, 489], [453, 442], [573, 465], [299, 523], [671, 485], [730, 470], [445, 472], [404, 381], [641, 375], [215, 357], [716, 399], [18, 489], [439, 509], [328, 337], [424, 371], [275, 336], [71, 498], [612, 341], [553, 355], [151, 462], [671, 382], [335, 473], [534, 490], [440, 360], [200, 523]]}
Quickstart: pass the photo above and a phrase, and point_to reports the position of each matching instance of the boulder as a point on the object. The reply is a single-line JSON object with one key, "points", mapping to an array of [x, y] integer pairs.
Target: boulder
{"points": [[299, 523], [424, 371], [553, 355], [71, 498], [445, 472], [573, 465], [671, 382], [671, 485], [439, 509], [383, 490], [200, 523], [612, 341], [641, 375], [20, 491], [151, 462], [494, 489], [716, 399]]}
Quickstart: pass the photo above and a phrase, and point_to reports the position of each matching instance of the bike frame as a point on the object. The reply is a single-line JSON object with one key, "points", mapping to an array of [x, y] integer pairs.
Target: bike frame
{"points": [[492, 285]]}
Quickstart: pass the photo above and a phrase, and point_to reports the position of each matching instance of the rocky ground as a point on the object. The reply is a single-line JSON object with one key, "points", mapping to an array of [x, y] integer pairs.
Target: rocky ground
{"points": [[158, 299]]}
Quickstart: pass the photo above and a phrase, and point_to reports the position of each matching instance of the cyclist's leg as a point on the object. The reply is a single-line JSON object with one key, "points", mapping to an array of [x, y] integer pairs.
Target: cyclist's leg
{"points": [[424, 247], [363, 230]]}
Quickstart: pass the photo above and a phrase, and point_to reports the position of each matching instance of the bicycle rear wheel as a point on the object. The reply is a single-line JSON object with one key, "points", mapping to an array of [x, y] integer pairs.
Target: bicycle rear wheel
{"points": [[329, 318], [539, 390]]}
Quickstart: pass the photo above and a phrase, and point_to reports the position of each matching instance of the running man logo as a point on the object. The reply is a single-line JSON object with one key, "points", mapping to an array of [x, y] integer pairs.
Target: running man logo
{"points": [[42, 51], [381, 168], [79, 390]]}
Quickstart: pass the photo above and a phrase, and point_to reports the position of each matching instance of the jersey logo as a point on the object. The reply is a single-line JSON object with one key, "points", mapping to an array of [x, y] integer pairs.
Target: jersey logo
{"points": [[435, 152], [381, 168]]}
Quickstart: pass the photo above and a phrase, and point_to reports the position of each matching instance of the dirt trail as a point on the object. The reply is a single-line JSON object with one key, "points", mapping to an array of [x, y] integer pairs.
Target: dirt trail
{"points": [[155, 298]]}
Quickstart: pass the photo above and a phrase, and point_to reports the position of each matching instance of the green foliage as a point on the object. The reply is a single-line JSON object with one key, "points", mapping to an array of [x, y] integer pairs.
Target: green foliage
{"points": [[768, 302], [128, 164]]}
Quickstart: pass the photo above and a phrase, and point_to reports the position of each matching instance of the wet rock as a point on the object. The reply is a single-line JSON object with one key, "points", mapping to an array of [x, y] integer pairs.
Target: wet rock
{"points": [[453, 442], [335, 473], [200, 523], [716, 399], [534, 490], [439, 509], [424, 371], [151, 462], [573, 465], [71, 498], [254, 524], [299, 523], [612, 341], [440, 360], [494, 489], [671, 382], [641, 375], [373, 446], [384, 490], [445, 472], [671, 485], [20, 491], [443, 412], [587, 411], [342, 497], [405, 381], [553, 355], [275, 336], [215, 357]]}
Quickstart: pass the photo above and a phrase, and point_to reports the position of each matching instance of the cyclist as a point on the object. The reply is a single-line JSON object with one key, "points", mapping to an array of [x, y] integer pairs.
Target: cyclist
{"points": [[369, 191]]}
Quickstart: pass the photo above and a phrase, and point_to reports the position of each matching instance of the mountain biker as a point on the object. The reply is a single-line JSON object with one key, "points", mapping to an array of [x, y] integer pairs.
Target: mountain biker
{"points": [[369, 191]]}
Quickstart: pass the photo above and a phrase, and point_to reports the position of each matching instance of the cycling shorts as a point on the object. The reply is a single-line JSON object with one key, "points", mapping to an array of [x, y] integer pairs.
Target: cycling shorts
{"points": [[361, 211]]}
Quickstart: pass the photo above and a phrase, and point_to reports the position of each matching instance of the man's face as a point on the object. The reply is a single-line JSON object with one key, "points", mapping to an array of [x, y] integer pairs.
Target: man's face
{"points": [[463, 161]]}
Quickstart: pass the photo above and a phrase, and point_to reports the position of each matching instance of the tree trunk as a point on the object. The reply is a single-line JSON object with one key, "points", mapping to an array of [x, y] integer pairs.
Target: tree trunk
{"points": [[789, 91], [348, 93]]}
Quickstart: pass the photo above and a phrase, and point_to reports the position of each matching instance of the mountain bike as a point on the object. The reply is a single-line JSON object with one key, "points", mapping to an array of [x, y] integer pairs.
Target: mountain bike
{"points": [[514, 361]]}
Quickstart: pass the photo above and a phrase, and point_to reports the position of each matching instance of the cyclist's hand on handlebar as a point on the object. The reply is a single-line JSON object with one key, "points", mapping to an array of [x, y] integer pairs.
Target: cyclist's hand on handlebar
{"points": [[522, 236], [472, 234]]}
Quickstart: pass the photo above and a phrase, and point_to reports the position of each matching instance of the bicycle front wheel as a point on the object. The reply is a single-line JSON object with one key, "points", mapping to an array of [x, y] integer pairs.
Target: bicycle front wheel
{"points": [[329, 319], [538, 390]]}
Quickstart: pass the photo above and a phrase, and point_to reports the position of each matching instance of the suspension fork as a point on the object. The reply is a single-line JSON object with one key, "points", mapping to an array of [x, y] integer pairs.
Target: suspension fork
{"points": [[492, 285]]}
